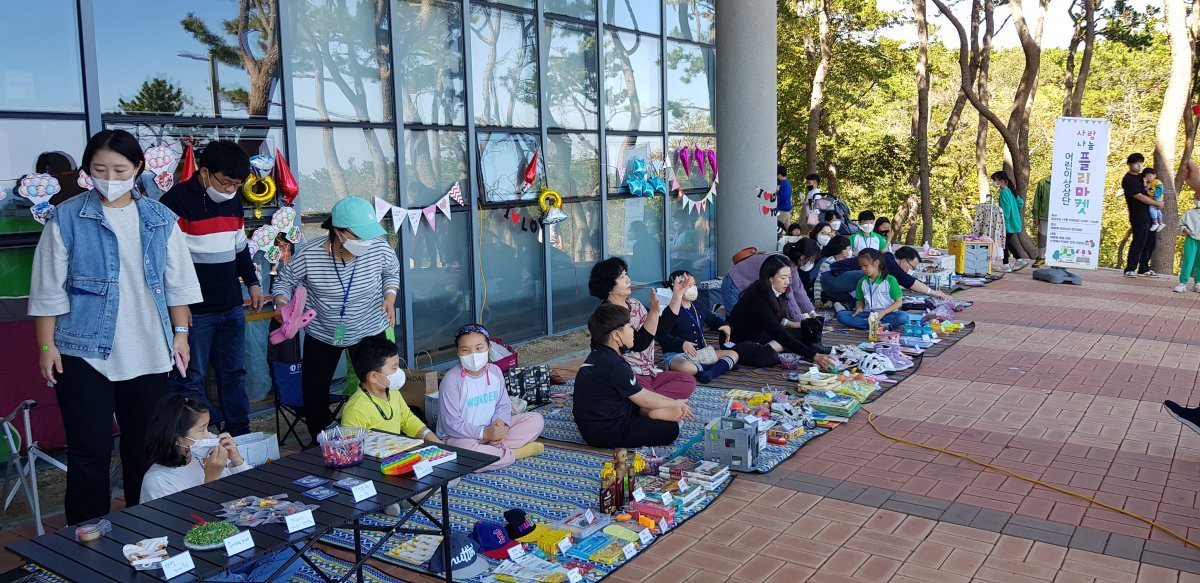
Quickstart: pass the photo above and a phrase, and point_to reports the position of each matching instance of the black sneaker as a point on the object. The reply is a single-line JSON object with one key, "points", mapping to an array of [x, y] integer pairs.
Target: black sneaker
{"points": [[1189, 417]]}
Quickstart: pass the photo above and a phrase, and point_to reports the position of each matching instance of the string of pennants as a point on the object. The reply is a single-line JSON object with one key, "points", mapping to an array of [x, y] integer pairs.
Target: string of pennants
{"points": [[698, 206], [400, 215]]}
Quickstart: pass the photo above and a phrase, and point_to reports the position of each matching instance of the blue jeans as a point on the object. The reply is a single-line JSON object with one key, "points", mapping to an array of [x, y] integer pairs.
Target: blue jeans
{"points": [[219, 339], [729, 294], [840, 288], [896, 320]]}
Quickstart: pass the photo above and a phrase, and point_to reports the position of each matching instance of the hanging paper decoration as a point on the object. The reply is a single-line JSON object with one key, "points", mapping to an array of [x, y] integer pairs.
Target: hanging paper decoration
{"points": [[429, 214], [285, 182], [766, 210], [382, 208], [712, 162], [456, 194], [84, 181], [414, 219], [188, 166], [551, 204], [685, 158], [699, 155], [266, 237], [37, 189], [258, 191], [413, 216], [530, 172], [443, 204], [698, 205], [158, 161], [513, 216]]}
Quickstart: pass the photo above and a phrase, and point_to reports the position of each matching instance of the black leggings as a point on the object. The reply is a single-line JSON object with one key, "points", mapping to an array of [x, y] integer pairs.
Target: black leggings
{"points": [[643, 432], [1141, 249], [320, 361], [87, 401], [1012, 246]]}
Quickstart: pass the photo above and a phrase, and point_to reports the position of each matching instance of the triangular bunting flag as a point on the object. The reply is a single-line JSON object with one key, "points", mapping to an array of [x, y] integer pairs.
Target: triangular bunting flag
{"points": [[675, 184], [455, 193], [620, 175], [429, 214], [399, 215], [414, 219], [382, 208], [443, 204]]}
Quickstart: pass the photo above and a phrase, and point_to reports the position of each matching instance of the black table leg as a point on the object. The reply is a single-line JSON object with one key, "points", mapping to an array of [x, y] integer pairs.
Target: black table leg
{"points": [[446, 532], [358, 551]]}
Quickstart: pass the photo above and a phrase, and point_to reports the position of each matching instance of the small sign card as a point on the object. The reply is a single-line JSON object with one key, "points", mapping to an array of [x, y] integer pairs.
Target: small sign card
{"points": [[639, 495], [178, 565], [363, 491], [573, 576], [564, 545], [645, 536], [589, 516], [516, 552], [662, 526], [422, 469], [629, 550], [300, 521], [667, 499], [238, 543]]}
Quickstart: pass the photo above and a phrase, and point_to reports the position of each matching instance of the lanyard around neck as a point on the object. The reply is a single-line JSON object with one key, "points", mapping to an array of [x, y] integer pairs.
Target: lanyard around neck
{"points": [[344, 285], [391, 411]]}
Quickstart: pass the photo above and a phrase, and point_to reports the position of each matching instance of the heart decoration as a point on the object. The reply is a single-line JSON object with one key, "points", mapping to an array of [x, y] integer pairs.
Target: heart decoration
{"points": [[188, 166], [712, 162], [766, 210], [286, 183], [699, 154], [515, 217]]}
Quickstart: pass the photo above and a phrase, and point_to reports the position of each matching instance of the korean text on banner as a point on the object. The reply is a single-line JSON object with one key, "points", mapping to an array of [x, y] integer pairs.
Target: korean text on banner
{"points": [[1077, 191]]}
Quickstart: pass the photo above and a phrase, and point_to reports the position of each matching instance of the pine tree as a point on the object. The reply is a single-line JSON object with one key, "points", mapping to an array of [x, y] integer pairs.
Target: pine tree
{"points": [[155, 96]]}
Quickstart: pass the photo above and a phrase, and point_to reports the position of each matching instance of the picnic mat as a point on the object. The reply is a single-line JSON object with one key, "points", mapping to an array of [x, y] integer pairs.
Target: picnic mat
{"points": [[336, 567], [549, 487], [707, 403]]}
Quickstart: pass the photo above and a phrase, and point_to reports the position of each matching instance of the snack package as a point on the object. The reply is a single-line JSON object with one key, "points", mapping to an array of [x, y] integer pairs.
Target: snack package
{"points": [[147, 554]]}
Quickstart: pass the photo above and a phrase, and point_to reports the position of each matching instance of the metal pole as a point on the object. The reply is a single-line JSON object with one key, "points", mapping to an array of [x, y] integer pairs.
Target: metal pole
{"points": [[215, 83]]}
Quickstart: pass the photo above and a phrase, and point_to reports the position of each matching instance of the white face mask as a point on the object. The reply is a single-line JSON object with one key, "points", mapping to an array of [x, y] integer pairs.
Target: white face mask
{"points": [[867, 227], [112, 189], [1197, 203], [397, 379], [356, 247], [218, 196], [200, 448], [690, 294], [835, 225], [823, 240], [807, 266], [473, 362]]}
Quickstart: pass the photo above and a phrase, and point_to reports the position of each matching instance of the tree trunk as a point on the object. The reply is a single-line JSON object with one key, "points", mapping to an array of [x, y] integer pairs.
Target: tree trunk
{"points": [[1018, 119], [817, 99], [985, 96], [1166, 136], [1085, 33], [923, 120]]}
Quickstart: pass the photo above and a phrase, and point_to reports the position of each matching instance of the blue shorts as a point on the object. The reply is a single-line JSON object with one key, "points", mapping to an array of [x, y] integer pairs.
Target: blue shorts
{"points": [[669, 356]]}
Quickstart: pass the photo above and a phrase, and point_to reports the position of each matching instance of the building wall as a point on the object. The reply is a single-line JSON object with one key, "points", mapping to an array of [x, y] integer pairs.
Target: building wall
{"points": [[400, 99]]}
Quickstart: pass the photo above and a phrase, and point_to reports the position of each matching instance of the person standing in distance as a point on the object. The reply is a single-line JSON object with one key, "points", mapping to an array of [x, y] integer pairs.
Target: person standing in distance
{"points": [[1139, 203]]}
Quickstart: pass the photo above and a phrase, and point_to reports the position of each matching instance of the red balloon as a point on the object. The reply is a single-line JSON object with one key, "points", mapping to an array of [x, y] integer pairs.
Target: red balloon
{"points": [[531, 170], [188, 166], [284, 181]]}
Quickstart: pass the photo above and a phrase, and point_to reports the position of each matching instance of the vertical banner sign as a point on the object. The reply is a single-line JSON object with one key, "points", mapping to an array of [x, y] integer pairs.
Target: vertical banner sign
{"points": [[1077, 191]]}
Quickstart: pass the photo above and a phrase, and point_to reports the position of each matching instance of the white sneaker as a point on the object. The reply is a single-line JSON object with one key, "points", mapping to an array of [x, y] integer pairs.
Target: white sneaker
{"points": [[838, 307], [1021, 264], [1181, 288], [1150, 273], [1006, 268], [1131, 274]]}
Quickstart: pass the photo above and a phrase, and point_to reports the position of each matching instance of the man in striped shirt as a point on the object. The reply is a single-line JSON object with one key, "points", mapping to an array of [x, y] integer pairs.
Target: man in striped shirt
{"points": [[211, 218]]}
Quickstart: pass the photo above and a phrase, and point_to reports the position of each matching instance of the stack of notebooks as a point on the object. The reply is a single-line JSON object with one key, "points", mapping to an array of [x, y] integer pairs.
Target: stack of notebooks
{"points": [[689, 498], [836, 405], [707, 475]]}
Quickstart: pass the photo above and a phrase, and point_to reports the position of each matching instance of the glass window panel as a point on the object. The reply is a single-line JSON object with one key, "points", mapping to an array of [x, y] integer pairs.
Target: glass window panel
{"points": [[430, 62], [438, 276], [502, 161], [573, 164], [582, 9], [691, 75], [434, 160], [632, 82], [21, 142], [635, 234], [518, 3], [700, 175], [693, 20], [624, 151], [513, 268], [643, 15], [334, 163], [571, 77], [504, 68], [691, 239], [574, 248], [162, 67], [41, 57], [340, 60]]}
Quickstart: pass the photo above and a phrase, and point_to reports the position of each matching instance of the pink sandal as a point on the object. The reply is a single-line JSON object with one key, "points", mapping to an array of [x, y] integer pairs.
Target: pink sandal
{"points": [[294, 317]]}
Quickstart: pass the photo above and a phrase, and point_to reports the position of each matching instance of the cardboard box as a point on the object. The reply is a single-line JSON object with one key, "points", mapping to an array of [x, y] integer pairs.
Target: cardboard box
{"points": [[419, 384]]}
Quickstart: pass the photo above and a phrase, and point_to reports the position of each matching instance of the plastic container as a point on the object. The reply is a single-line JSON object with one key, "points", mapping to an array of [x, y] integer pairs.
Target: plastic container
{"points": [[91, 532], [342, 447]]}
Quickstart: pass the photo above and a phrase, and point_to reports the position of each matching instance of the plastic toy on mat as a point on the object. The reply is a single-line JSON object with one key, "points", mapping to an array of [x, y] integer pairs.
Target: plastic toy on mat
{"points": [[732, 441], [947, 326], [917, 327]]}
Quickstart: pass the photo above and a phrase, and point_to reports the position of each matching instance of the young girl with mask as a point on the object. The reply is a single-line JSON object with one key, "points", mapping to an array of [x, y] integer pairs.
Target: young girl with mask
{"points": [[474, 411], [684, 348], [111, 265], [352, 278], [183, 452], [877, 292], [378, 403]]}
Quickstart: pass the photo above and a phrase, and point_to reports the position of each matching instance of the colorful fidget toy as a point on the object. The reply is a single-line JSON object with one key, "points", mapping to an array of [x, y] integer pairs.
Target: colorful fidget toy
{"points": [[399, 464]]}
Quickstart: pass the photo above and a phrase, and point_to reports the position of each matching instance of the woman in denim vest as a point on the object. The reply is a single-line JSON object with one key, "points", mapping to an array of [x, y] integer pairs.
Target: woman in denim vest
{"points": [[112, 281]]}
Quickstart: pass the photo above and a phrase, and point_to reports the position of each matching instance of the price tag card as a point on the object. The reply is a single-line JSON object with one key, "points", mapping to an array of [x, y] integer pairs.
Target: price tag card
{"points": [[516, 552], [645, 536], [573, 576], [300, 521], [177, 565], [638, 495], [564, 545], [629, 550], [667, 499], [422, 469], [683, 484], [589, 516], [363, 491], [238, 543], [662, 526]]}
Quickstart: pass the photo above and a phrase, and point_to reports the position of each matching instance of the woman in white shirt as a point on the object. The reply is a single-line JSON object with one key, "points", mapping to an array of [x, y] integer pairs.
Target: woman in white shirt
{"points": [[183, 451]]}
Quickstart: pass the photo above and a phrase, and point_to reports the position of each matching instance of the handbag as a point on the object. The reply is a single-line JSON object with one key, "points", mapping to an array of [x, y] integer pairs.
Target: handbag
{"points": [[705, 356], [811, 330], [531, 384]]}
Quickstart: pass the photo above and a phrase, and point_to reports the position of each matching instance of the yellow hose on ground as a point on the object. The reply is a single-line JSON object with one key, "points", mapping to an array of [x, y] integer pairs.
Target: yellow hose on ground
{"points": [[871, 422]]}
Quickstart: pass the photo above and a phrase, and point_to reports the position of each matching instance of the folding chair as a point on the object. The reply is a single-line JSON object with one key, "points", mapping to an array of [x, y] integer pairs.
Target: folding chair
{"points": [[289, 401], [24, 462]]}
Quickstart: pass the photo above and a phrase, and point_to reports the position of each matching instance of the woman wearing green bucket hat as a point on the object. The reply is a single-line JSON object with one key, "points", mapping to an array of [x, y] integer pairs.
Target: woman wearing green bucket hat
{"points": [[351, 278]]}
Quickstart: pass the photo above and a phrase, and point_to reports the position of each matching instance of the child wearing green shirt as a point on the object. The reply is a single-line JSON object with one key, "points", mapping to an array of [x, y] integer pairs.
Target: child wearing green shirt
{"points": [[876, 292]]}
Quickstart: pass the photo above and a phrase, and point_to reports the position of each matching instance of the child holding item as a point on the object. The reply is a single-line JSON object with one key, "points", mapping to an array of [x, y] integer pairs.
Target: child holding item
{"points": [[611, 407], [683, 345], [1154, 188], [183, 452], [876, 292], [1189, 227], [867, 238], [474, 411], [378, 403]]}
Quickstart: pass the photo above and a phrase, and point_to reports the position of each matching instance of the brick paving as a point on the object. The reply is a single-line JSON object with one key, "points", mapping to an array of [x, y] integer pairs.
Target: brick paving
{"points": [[1060, 383]]}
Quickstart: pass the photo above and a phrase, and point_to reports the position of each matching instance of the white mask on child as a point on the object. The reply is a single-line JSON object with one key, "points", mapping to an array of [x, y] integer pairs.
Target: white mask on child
{"points": [[1197, 204], [200, 448], [397, 379], [835, 225], [867, 228], [691, 293], [473, 362], [823, 240]]}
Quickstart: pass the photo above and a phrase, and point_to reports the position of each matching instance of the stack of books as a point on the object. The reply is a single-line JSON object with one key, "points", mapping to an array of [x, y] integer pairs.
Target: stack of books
{"points": [[707, 475]]}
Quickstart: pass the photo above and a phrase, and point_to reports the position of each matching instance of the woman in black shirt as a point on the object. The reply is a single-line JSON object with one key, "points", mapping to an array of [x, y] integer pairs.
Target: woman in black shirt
{"points": [[759, 317]]}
